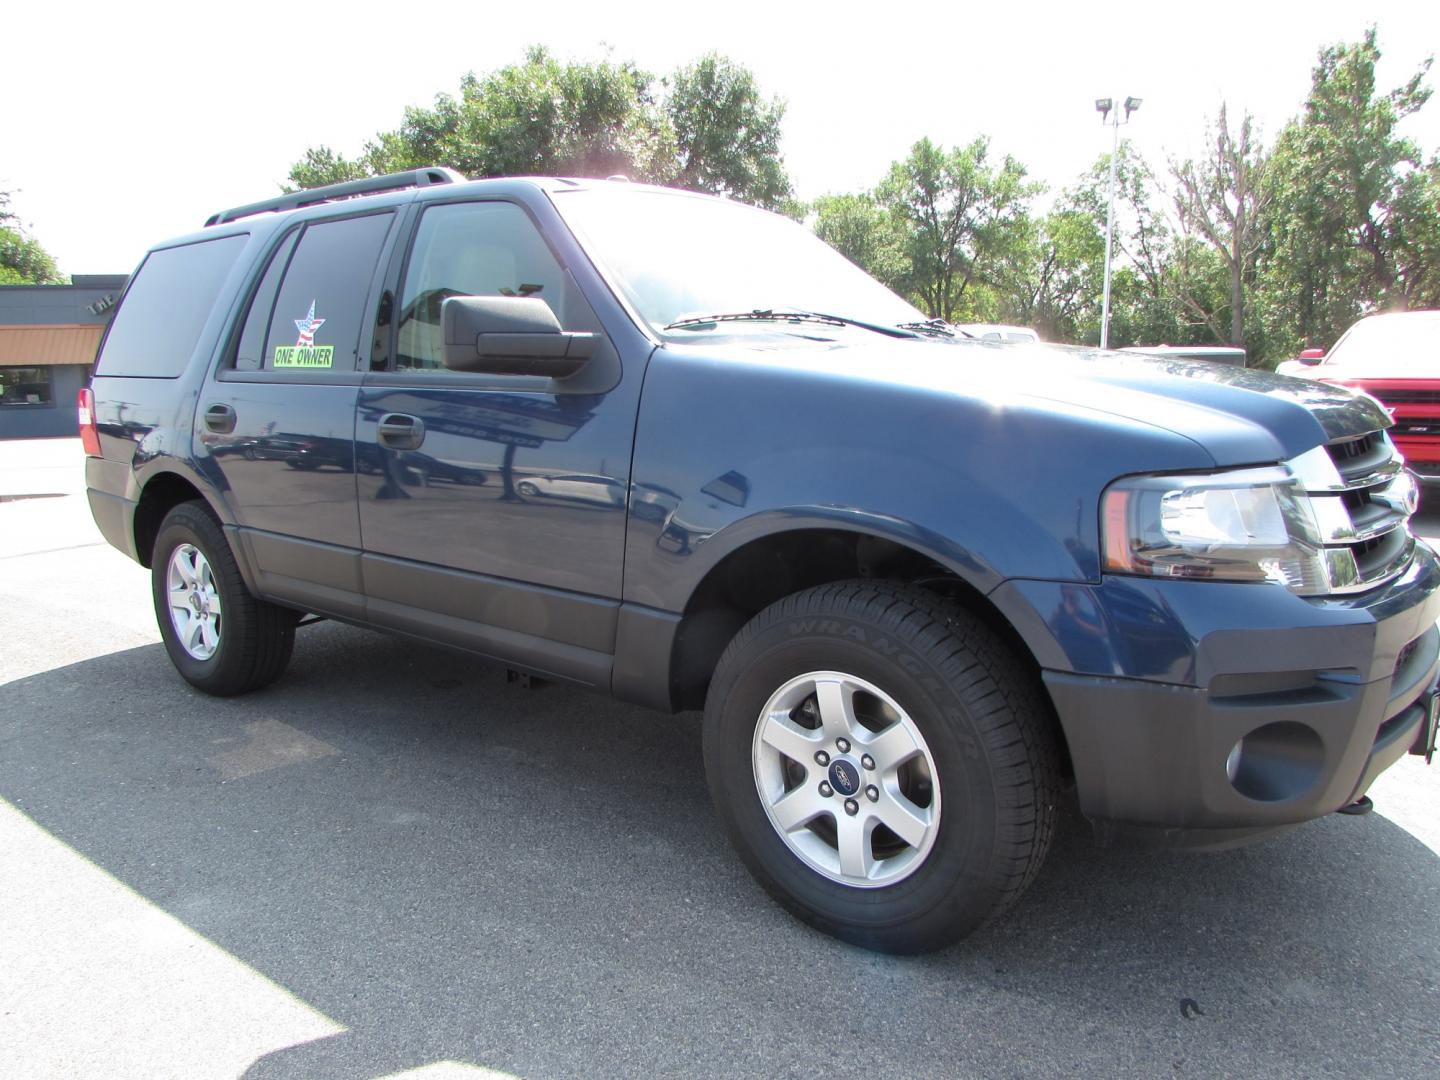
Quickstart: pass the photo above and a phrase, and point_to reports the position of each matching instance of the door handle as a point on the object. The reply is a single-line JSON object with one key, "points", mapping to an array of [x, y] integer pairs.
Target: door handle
{"points": [[220, 419], [401, 432]]}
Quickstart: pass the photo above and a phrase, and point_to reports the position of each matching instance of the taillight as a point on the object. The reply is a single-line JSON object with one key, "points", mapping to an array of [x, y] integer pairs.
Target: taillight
{"points": [[89, 433]]}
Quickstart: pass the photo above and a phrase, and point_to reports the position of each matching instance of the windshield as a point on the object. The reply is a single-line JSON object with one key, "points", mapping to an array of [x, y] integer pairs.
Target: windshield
{"points": [[676, 255], [1403, 345]]}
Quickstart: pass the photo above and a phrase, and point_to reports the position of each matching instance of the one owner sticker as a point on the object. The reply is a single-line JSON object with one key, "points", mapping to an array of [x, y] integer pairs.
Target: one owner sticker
{"points": [[305, 353]]}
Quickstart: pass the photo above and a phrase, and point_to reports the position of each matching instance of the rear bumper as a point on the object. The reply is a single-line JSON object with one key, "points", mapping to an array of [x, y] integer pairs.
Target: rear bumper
{"points": [[115, 517], [1199, 716]]}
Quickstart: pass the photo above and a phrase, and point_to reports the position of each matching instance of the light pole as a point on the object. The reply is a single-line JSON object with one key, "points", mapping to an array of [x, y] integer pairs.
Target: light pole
{"points": [[1105, 106]]}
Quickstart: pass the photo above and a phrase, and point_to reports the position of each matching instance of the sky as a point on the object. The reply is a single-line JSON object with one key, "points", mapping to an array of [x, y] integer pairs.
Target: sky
{"points": [[125, 124]]}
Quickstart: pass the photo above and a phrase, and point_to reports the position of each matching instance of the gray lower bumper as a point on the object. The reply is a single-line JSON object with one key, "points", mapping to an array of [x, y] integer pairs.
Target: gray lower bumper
{"points": [[1187, 767]]}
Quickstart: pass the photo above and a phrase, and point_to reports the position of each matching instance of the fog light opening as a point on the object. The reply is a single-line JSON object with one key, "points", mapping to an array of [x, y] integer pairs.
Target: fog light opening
{"points": [[1277, 762]]}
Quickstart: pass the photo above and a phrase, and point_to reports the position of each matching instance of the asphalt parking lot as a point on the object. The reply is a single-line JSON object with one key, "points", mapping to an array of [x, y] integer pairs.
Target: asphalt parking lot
{"points": [[393, 863]]}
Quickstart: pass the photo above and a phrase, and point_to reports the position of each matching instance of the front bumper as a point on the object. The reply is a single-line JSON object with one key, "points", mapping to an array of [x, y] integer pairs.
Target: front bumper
{"points": [[1200, 714]]}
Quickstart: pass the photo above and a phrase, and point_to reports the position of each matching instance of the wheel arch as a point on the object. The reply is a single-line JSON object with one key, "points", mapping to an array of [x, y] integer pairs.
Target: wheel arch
{"points": [[764, 565], [161, 493]]}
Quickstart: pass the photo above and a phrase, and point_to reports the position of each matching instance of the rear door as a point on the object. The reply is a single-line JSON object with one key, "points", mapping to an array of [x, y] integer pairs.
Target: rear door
{"points": [[278, 419], [464, 538]]}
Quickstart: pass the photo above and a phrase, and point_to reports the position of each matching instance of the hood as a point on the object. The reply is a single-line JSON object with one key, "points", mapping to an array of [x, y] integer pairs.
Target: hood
{"points": [[1238, 415], [1276, 402]]}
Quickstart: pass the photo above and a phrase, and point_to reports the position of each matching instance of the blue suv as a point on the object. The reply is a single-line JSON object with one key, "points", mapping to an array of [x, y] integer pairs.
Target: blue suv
{"points": [[677, 450]]}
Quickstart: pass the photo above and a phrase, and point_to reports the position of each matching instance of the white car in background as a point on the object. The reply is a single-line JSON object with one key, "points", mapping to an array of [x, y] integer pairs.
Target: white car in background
{"points": [[998, 332]]}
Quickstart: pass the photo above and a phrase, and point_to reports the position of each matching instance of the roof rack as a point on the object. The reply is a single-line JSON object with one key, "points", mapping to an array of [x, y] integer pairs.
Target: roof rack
{"points": [[368, 186]]}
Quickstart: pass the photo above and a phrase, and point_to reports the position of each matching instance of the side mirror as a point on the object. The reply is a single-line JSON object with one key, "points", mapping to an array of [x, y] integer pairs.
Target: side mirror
{"points": [[1311, 357], [510, 335]]}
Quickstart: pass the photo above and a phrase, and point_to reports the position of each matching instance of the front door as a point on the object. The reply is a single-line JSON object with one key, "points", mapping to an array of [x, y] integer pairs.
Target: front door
{"points": [[476, 527]]}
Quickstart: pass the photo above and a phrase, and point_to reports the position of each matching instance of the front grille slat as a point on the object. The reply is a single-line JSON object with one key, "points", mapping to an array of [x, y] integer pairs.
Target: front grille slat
{"points": [[1379, 542], [1374, 519], [1359, 458]]}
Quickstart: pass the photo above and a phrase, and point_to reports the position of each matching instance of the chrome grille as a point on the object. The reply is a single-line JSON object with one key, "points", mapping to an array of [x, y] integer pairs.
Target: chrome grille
{"points": [[1361, 455], [1363, 497]]}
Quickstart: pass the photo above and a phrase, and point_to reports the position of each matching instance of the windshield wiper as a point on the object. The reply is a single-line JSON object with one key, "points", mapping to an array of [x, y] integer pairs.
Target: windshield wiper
{"points": [[935, 327], [787, 315]]}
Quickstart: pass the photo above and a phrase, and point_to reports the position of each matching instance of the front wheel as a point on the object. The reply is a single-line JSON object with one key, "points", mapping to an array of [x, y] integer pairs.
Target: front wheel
{"points": [[884, 764], [220, 638]]}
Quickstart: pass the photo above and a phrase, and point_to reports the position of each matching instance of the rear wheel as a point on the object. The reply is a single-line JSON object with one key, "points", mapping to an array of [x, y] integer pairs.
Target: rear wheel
{"points": [[220, 638], [884, 764]]}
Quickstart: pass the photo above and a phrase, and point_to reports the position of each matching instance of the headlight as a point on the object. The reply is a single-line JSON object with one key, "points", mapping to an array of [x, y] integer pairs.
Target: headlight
{"points": [[1245, 525]]}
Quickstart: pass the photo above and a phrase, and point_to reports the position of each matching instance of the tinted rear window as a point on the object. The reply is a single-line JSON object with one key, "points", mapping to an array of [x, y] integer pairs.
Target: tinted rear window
{"points": [[165, 308]]}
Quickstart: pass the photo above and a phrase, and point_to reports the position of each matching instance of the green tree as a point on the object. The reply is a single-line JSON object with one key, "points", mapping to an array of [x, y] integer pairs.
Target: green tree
{"points": [[865, 233], [539, 117], [1221, 198], [321, 166], [22, 260], [712, 132], [959, 215], [1353, 205], [727, 136], [1144, 305], [1053, 283], [1168, 284]]}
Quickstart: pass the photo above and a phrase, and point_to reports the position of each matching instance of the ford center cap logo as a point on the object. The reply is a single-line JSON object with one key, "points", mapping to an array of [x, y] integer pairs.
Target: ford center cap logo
{"points": [[844, 777]]}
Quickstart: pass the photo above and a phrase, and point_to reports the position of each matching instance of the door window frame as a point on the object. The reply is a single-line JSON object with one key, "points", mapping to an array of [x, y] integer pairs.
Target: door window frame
{"points": [[605, 361], [225, 370]]}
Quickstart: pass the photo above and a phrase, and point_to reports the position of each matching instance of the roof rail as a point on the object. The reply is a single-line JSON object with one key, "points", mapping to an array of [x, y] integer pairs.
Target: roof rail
{"points": [[367, 186]]}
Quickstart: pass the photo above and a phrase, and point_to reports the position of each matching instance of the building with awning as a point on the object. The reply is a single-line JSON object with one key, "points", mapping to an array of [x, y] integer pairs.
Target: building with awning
{"points": [[49, 335]]}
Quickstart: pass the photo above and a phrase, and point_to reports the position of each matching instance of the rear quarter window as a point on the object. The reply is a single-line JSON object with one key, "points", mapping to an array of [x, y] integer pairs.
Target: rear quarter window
{"points": [[158, 323]]}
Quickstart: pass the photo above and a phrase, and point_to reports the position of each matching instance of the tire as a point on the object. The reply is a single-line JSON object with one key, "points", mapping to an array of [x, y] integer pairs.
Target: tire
{"points": [[526, 488], [224, 641], [953, 730]]}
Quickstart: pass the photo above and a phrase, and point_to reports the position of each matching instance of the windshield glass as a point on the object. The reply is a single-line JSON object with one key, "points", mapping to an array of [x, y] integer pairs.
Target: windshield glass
{"points": [[1404, 346], [675, 255]]}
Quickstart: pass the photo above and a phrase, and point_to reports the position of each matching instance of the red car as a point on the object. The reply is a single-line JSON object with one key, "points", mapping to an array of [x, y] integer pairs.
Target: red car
{"points": [[1395, 358]]}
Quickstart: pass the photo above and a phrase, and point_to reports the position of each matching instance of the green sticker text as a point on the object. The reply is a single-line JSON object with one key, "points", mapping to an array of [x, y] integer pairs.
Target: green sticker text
{"points": [[303, 356]]}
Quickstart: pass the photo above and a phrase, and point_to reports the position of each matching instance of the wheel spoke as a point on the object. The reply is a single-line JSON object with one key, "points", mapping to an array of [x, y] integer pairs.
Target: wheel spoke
{"points": [[213, 597], [191, 634], [836, 699], [185, 567], [852, 835], [207, 634], [793, 741], [893, 747], [798, 808], [903, 817], [179, 600]]}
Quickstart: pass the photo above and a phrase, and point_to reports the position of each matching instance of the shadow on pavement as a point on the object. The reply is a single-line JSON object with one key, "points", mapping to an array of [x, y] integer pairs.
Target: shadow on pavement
{"points": [[532, 881]]}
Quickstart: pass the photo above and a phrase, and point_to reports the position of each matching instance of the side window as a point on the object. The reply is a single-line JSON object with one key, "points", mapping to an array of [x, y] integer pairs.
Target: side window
{"points": [[318, 311], [164, 310], [474, 249], [251, 349]]}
